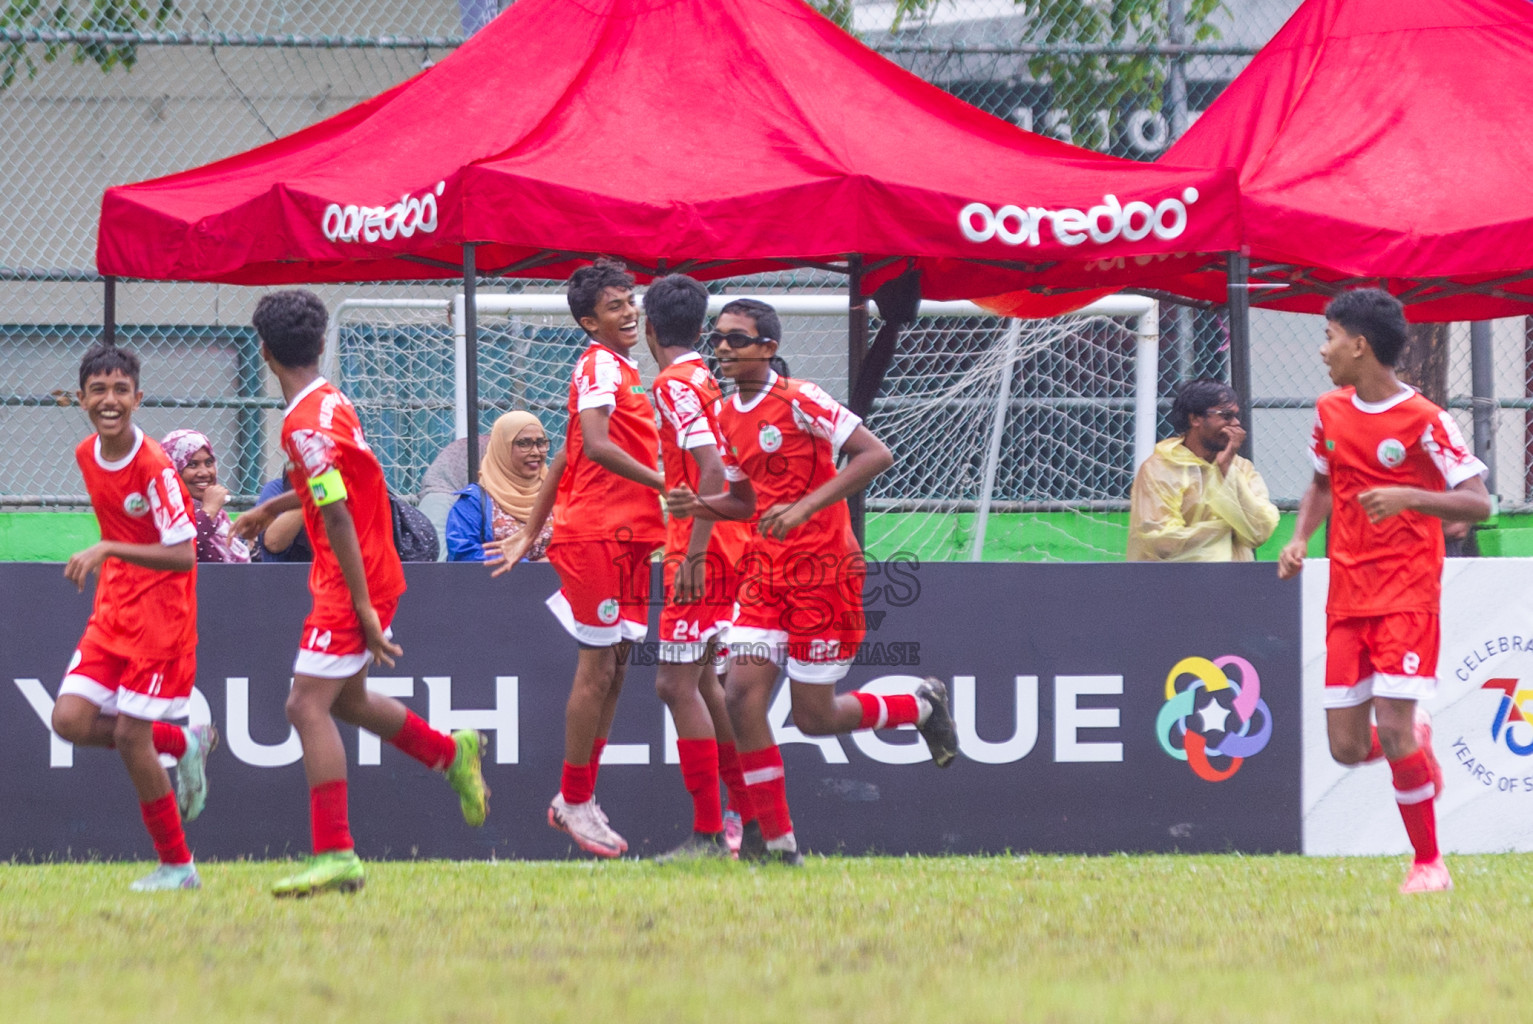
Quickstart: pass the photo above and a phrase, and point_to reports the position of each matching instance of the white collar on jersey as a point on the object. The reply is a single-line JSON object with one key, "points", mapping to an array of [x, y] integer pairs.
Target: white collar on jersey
{"points": [[686, 357], [771, 382], [317, 382], [122, 463], [614, 352], [1389, 403]]}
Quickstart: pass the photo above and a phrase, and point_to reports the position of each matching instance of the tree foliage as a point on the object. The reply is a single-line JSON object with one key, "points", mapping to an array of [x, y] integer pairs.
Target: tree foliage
{"points": [[1085, 83], [73, 16]]}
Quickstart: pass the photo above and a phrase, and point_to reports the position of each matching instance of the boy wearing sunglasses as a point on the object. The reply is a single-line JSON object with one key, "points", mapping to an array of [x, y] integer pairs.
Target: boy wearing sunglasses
{"points": [[800, 597]]}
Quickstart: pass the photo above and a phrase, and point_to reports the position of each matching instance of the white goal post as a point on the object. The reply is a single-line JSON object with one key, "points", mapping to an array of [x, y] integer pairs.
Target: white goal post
{"points": [[1141, 314]]}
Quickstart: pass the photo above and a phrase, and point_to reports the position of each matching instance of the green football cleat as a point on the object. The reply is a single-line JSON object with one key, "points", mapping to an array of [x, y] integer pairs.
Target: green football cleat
{"points": [[466, 778], [338, 871], [167, 877], [192, 771]]}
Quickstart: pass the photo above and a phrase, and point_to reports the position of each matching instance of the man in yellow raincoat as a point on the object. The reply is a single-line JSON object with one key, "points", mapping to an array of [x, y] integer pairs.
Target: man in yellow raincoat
{"points": [[1194, 499]]}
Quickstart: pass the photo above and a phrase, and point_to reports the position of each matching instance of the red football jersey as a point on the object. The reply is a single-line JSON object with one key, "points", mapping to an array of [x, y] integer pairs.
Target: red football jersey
{"points": [[786, 441], [321, 435], [595, 503], [1405, 441], [140, 499], [685, 393]]}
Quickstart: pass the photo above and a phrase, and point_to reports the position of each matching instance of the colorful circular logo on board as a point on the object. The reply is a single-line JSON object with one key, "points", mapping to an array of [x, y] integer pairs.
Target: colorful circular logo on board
{"points": [[1391, 453], [769, 437], [607, 611], [135, 504], [1208, 714]]}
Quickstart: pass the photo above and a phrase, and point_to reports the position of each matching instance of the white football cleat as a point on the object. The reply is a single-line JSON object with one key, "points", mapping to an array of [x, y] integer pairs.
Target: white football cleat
{"points": [[584, 825]]}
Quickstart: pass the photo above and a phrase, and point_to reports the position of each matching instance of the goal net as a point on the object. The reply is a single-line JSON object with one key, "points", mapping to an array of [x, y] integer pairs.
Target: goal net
{"points": [[1014, 440]]}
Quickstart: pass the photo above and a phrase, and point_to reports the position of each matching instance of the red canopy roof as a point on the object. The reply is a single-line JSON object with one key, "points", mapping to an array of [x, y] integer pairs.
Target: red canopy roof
{"points": [[1383, 139], [716, 136]]}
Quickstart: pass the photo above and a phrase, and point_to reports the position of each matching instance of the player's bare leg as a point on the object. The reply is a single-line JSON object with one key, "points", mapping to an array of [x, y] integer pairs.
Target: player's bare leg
{"points": [[679, 686], [819, 711], [457, 755], [711, 690], [739, 810], [590, 708], [308, 711], [609, 712], [748, 692], [81, 722], [1413, 766], [335, 865], [1352, 735], [134, 740]]}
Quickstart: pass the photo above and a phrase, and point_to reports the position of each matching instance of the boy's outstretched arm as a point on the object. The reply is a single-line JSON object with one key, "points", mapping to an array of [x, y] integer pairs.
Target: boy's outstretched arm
{"points": [[1314, 506], [253, 523], [603, 451], [180, 557], [501, 555]]}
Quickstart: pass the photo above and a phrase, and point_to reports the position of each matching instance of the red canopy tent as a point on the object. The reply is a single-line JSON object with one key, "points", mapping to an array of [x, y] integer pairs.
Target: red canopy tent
{"points": [[719, 137], [714, 137], [1378, 143]]}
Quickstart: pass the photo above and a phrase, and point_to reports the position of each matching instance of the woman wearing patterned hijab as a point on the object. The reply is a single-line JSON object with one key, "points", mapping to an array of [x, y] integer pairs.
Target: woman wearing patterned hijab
{"points": [[515, 462], [192, 455]]}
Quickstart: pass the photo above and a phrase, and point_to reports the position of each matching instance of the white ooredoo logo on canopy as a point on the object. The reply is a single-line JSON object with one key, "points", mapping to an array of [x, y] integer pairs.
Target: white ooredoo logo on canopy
{"points": [[1134, 220], [352, 223]]}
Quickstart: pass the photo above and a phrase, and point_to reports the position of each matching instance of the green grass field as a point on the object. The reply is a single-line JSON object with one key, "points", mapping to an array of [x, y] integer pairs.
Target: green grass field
{"points": [[1139, 939]]}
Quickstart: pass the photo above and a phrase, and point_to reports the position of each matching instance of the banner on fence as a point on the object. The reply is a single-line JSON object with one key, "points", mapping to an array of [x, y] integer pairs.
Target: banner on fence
{"points": [[1485, 744], [1099, 707]]}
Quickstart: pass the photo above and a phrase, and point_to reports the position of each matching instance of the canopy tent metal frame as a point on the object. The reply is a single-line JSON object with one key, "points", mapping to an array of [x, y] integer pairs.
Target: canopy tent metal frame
{"points": [[857, 310]]}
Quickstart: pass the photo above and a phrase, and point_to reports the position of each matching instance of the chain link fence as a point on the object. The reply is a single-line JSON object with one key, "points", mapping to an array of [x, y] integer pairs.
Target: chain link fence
{"points": [[83, 111]]}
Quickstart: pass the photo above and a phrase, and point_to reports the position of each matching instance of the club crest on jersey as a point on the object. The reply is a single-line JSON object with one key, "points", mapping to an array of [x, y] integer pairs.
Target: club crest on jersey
{"points": [[607, 611], [1391, 453], [769, 437], [136, 504]]}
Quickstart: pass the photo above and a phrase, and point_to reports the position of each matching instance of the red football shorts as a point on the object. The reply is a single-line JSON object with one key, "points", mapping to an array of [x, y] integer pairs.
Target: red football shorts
{"points": [[1392, 655], [332, 645], [685, 629], [810, 618], [603, 595], [144, 688]]}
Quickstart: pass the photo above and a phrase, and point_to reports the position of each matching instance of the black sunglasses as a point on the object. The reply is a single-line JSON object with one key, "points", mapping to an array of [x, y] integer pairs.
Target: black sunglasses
{"points": [[735, 339]]}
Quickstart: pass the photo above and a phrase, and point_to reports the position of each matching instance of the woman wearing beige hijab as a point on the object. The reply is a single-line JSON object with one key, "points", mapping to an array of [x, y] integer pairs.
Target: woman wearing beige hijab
{"points": [[498, 506]]}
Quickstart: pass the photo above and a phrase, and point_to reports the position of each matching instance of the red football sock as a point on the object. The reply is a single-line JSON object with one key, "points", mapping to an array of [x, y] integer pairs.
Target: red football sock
{"points": [[1413, 792], [879, 712], [169, 739], [578, 782], [768, 790], [734, 781], [327, 817], [597, 746], [164, 824], [433, 749], [700, 774]]}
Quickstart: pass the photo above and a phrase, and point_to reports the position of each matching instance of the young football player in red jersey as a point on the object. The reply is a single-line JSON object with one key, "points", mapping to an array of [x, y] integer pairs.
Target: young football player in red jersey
{"points": [[356, 581], [137, 661], [605, 494], [800, 598], [701, 565], [1389, 465]]}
